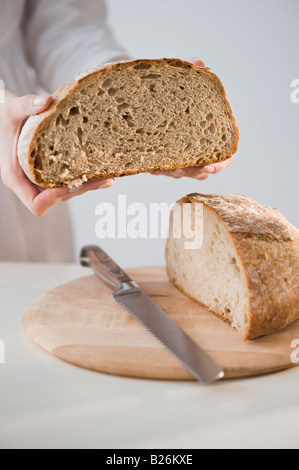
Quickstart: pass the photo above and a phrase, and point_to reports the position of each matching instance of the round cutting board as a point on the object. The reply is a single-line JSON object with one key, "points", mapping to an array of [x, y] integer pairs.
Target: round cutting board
{"points": [[81, 323]]}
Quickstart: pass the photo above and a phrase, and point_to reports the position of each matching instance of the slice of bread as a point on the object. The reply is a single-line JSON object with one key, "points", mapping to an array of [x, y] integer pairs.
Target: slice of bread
{"points": [[126, 118], [247, 270]]}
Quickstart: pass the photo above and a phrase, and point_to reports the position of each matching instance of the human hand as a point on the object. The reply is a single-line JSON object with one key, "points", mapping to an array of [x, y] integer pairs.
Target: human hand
{"points": [[198, 172], [38, 200]]}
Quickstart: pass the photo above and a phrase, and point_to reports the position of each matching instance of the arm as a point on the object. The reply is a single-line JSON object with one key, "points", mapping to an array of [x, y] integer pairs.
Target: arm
{"points": [[63, 37]]}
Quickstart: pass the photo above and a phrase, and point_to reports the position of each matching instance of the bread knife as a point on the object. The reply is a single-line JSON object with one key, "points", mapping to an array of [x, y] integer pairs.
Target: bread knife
{"points": [[130, 296]]}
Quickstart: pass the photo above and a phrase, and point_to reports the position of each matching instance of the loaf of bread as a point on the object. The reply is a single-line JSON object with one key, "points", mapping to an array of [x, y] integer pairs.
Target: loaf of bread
{"points": [[247, 270], [126, 118]]}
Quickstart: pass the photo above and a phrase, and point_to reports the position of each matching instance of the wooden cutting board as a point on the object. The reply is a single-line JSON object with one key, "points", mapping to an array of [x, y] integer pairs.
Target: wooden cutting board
{"points": [[81, 323]]}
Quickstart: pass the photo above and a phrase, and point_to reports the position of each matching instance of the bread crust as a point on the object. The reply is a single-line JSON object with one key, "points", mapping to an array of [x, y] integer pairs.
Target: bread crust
{"points": [[33, 124], [268, 248]]}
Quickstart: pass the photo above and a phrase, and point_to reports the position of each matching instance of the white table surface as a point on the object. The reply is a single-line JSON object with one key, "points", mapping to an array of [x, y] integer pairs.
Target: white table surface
{"points": [[46, 403]]}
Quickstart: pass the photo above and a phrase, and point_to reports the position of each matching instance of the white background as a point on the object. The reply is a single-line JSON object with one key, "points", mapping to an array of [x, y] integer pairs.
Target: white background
{"points": [[253, 47]]}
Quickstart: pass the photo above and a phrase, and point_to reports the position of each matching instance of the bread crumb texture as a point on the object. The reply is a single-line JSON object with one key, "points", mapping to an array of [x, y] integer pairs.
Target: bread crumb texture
{"points": [[128, 118], [247, 271]]}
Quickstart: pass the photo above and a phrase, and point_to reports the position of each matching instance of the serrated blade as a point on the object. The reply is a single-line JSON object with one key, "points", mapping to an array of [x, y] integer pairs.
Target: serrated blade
{"points": [[170, 334], [130, 296]]}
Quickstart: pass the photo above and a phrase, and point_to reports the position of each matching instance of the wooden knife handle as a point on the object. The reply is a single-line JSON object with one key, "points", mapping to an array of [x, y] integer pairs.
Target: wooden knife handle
{"points": [[95, 258]]}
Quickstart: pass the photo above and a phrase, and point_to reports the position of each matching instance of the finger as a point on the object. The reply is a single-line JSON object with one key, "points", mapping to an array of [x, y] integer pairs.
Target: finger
{"points": [[21, 107], [22, 187], [197, 173], [179, 172], [176, 173], [202, 176], [194, 173], [221, 165], [200, 63], [39, 200], [210, 169], [91, 186], [196, 61], [45, 200]]}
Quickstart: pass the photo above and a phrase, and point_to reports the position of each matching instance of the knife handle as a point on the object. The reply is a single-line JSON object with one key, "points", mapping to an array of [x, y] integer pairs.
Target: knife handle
{"points": [[95, 258]]}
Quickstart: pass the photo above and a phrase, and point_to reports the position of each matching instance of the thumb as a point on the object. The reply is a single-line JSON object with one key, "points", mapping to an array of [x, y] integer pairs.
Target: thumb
{"points": [[22, 107]]}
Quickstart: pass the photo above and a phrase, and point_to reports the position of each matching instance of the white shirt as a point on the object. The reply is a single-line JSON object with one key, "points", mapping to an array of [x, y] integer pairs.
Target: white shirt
{"points": [[43, 44]]}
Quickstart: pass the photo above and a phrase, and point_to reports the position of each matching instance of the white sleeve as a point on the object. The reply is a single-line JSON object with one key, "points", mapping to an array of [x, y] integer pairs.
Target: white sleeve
{"points": [[63, 37]]}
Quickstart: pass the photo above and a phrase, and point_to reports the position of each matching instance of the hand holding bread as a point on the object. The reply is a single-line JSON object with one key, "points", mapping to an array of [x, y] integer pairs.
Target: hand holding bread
{"points": [[16, 111], [12, 115], [130, 117], [201, 172]]}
